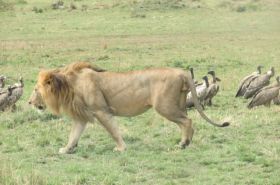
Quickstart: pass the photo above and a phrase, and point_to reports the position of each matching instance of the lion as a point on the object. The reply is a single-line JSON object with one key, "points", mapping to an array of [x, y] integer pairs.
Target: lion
{"points": [[85, 95]]}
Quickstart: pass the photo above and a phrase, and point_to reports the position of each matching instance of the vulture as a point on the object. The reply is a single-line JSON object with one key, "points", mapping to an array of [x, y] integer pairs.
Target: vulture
{"points": [[246, 81], [201, 93], [213, 88], [258, 83], [20, 84], [192, 73], [15, 94], [4, 95], [265, 95], [2, 82], [276, 100]]}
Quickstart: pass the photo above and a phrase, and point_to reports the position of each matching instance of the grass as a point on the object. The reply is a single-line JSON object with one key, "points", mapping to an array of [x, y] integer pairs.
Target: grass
{"points": [[231, 37]]}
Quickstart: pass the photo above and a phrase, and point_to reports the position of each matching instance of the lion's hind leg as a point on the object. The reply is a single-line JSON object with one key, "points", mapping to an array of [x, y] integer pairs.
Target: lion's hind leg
{"points": [[187, 132], [107, 120], [178, 116]]}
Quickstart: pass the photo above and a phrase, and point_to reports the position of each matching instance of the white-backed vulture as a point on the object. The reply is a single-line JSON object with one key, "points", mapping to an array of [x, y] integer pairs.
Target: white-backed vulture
{"points": [[16, 93], [4, 95], [276, 100], [192, 74], [265, 95], [201, 93], [2, 82], [246, 81], [258, 83], [213, 88]]}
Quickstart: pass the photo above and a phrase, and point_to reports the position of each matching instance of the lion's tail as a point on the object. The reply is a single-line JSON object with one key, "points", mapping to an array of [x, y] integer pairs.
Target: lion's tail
{"points": [[189, 83]]}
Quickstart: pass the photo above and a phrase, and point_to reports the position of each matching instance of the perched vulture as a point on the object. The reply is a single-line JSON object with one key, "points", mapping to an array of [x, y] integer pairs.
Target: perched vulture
{"points": [[2, 82], [213, 88], [201, 93], [258, 83], [4, 95], [246, 81], [265, 95], [192, 73], [16, 93], [276, 100]]}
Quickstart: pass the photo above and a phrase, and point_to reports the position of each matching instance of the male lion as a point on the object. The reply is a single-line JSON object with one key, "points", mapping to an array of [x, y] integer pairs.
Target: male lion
{"points": [[85, 94]]}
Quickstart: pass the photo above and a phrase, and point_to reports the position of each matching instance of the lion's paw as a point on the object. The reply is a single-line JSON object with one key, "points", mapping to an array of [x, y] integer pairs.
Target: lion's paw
{"points": [[179, 146], [119, 149], [182, 145], [64, 150]]}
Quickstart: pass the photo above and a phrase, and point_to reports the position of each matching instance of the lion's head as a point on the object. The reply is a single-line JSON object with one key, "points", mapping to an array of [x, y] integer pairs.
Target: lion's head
{"points": [[55, 90], [36, 100]]}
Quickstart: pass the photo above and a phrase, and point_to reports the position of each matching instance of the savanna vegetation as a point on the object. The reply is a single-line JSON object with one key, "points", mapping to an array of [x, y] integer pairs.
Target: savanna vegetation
{"points": [[231, 37]]}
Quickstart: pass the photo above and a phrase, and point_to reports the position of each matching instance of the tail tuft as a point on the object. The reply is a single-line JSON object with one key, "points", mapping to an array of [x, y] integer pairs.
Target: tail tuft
{"points": [[225, 124]]}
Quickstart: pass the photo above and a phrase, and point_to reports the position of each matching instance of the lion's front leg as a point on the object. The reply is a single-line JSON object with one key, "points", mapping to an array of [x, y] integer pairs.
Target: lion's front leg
{"points": [[76, 131], [107, 120]]}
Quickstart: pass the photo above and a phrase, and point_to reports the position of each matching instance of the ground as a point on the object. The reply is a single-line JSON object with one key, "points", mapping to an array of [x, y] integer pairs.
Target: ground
{"points": [[231, 37]]}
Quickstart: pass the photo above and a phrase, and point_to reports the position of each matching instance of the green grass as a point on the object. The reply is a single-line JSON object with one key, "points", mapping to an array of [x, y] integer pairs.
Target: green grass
{"points": [[231, 37]]}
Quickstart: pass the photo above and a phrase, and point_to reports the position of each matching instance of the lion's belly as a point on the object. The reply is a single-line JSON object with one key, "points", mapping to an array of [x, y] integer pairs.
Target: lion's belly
{"points": [[130, 103], [129, 111]]}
